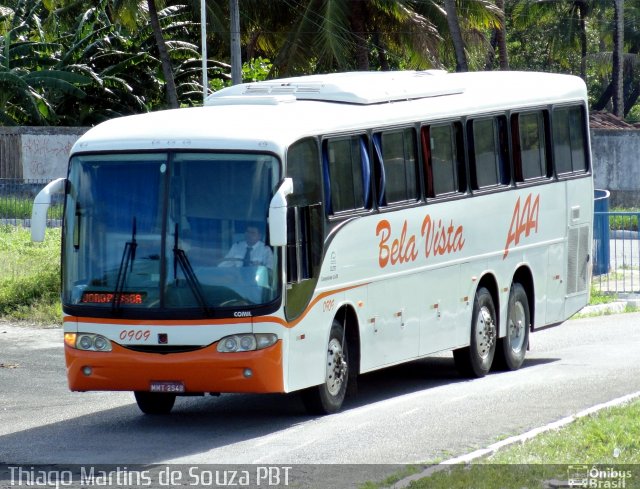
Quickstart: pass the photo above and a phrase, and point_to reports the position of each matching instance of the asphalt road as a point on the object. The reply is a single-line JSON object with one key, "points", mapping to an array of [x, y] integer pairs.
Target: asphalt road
{"points": [[411, 414]]}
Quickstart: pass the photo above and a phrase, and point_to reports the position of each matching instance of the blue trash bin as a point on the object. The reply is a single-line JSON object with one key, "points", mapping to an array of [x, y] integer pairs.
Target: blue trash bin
{"points": [[601, 232]]}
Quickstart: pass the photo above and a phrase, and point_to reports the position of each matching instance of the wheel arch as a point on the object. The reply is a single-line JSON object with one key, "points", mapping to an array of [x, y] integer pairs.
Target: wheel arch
{"points": [[348, 317], [524, 277]]}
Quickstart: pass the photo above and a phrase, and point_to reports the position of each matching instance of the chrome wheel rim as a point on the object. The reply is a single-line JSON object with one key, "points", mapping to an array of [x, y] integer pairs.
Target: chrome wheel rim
{"points": [[485, 333], [336, 367], [517, 320]]}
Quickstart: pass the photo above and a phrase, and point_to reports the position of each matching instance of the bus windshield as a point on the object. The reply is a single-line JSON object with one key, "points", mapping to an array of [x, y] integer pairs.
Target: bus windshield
{"points": [[170, 232]]}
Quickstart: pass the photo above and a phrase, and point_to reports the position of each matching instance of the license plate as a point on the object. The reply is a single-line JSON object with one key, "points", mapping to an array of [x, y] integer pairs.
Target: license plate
{"points": [[167, 386]]}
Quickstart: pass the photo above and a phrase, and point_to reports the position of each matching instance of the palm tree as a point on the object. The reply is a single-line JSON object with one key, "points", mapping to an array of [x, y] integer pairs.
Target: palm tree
{"points": [[570, 19], [165, 61], [130, 13], [501, 37], [475, 18], [31, 76], [456, 35], [328, 35]]}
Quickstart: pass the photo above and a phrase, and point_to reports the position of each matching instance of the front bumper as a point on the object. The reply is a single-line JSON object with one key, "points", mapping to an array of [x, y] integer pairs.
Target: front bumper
{"points": [[204, 370]]}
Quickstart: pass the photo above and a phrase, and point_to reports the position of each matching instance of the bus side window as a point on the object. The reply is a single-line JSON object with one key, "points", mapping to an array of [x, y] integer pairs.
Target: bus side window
{"points": [[569, 140], [397, 166], [443, 153], [305, 225], [530, 147], [489, 152], [303, 166], [347, 174]]}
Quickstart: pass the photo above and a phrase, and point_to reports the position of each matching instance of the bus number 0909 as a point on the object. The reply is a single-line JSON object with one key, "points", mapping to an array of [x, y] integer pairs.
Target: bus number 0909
{"points": [[135, 334]]}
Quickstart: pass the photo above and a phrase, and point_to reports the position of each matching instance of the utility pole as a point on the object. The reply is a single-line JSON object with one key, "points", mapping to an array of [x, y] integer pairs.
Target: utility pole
{"points": [[236, 59], [618, 59], [203, 38]]}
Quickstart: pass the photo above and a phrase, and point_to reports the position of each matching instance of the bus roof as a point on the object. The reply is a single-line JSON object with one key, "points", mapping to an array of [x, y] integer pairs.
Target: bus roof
{"points": [[270, 115]]}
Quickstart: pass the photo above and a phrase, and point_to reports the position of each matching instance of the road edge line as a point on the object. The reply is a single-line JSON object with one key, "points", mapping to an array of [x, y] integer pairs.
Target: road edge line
{"points": [[469, 457]]}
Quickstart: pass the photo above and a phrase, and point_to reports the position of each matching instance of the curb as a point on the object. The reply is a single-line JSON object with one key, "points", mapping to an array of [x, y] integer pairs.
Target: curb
{"points": [[609, 308], [491, 449]]}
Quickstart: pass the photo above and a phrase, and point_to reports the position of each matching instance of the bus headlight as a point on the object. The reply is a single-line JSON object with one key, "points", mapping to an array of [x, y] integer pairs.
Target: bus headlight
{"points": [[246, 342], [88, 342]]}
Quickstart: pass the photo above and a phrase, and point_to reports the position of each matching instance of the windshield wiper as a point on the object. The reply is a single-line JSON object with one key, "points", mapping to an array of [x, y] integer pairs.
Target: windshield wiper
{"points": [[126, 264], [180, 258]]}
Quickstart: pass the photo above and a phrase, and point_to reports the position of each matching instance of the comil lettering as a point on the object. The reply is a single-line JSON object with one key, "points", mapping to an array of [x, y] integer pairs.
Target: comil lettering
{"points": [[522, 221], [439, 239]]}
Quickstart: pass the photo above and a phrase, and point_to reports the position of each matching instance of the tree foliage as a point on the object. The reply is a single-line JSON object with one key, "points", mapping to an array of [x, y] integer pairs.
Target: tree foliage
{"points": [[78, 62]]}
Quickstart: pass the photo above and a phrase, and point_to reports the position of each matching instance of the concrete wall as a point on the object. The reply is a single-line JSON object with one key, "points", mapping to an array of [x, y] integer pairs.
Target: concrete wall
{"points": [[616, 164], [36, 153]]}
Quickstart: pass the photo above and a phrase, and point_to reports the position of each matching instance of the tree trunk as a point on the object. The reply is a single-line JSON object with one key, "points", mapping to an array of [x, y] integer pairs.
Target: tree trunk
{"points": [[491, 52], [381, 49], [163, 53], [456, 35], [582, 13], [501, 37], [358, 15], [618, 46]]}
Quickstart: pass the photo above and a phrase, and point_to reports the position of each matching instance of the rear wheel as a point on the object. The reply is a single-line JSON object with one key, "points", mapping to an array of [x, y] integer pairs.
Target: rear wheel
{"points": [[513, 347], [155, 402], [476, 359], [327, 398]]}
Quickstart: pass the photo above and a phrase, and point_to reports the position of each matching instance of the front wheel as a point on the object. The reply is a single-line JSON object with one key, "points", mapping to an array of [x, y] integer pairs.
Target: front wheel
{"points": [[155, 402], [476, 359], [327, 398], [513, 347]]}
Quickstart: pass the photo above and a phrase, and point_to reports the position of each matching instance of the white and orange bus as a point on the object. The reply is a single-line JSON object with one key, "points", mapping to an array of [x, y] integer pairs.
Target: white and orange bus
{"points": [[295, 233]]}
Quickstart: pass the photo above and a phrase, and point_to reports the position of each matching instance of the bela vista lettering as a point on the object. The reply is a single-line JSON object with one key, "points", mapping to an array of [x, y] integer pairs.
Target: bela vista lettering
{"points": [[439, 239], [523, 222]]}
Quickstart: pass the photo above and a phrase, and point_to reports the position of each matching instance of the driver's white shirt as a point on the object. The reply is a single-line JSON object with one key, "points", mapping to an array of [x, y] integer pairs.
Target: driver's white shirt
{"points": [[261, 254]]}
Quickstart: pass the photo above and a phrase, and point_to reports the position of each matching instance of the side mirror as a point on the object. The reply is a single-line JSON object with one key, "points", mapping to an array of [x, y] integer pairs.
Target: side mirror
{"points": [[278, 214], [41, 206]]}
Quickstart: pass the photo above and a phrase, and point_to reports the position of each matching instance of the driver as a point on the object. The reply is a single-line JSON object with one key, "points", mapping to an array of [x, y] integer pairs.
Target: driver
{"points": [[249, 253]]}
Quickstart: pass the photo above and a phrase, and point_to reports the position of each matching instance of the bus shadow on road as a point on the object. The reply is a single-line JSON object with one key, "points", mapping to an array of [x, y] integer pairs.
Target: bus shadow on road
{"points": [[417, 376], [200, 425]]}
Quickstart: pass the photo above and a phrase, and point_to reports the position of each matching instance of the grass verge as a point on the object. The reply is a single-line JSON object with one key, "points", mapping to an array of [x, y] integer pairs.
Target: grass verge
{"points": [[599, 450], [30, 276]]}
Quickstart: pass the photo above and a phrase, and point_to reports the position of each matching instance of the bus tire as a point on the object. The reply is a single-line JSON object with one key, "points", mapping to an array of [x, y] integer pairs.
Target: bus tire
{"points": [[476, 359], [155, 402], [327, 398], [513, 347]]}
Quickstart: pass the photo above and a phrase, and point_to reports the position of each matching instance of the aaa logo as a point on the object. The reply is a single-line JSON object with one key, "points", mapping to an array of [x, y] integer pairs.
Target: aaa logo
{"points": [[523, 221]]}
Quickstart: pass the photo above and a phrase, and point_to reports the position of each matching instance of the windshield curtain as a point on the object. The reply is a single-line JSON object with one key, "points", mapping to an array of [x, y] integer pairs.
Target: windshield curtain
{"points": [[170, 232]]}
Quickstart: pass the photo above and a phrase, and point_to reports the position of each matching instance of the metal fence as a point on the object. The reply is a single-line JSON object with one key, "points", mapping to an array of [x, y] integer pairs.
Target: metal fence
{"points": [[616, 267], [16, 202]]}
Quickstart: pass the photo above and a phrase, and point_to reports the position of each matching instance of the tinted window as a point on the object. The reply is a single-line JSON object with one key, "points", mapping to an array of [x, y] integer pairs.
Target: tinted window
{"points": [[530, 144], [569, 140], [303, 167], [346, 162], [489, 152], [442, 145], [398, 182]]}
